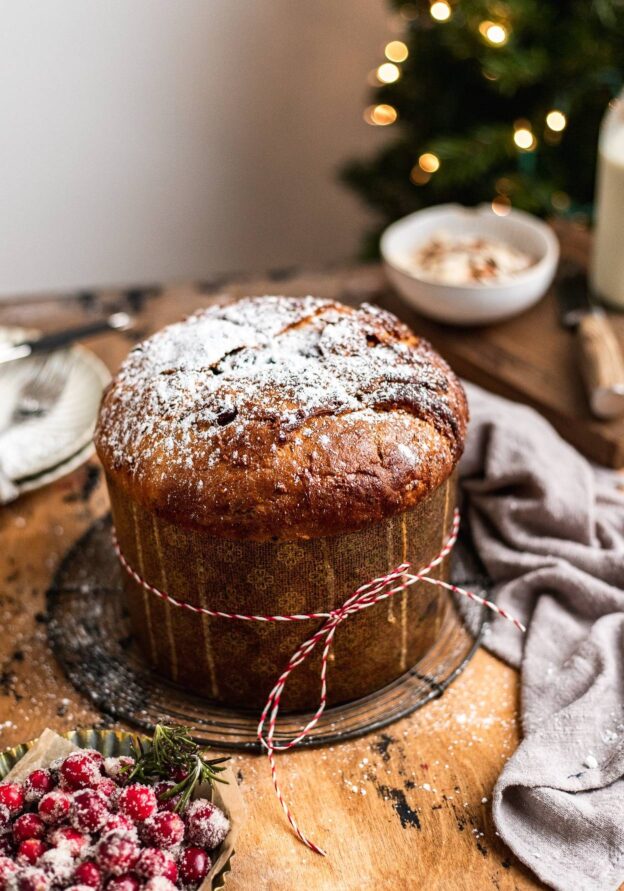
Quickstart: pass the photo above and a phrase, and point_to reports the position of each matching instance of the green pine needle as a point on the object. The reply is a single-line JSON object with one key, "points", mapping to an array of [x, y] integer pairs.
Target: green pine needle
{"points": [[172, 751]]}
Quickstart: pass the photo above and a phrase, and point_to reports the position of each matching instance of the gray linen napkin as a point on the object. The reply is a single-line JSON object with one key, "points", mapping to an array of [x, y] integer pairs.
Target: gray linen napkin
{"points": [[550, 531]]}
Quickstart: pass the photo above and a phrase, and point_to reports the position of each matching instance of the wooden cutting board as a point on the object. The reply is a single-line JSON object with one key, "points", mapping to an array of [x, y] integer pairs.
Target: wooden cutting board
{"points": [[531, 358]]}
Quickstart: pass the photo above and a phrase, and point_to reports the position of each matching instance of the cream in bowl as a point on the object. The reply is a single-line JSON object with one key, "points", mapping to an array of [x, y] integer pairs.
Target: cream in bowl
{"points": [[470, 266], [468, 259]]}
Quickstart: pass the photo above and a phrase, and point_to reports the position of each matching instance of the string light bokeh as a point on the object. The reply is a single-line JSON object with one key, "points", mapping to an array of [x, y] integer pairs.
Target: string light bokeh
{"points": [[440, 11], [495, 33]]}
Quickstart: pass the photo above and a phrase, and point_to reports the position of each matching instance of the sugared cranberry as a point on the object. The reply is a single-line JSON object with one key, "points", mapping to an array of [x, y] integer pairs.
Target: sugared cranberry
{"points": [[164, 830], [7, 868], [37, 784], [28, 826], [161, 788], [193, 864], [55, 806], [31, 850], [118, 768], [207, 824], [178, 774], [80, 888], [108, 788], [32, 879], [80, 771], [153, 862], [137, 801], [127, 882], [12, 797], [95, 755], [159, 883], [116, 853], [69, 839], [59, 864], [5, 818], [122, 822], [89, 810], [88, 873]]}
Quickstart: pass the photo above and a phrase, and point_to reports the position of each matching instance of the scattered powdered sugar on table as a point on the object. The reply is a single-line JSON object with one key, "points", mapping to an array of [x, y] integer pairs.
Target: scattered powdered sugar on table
{"points": [[271, 361]]}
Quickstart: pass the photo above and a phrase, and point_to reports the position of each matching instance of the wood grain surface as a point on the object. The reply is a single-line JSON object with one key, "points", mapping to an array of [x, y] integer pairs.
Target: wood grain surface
{"points": [[407, 808]]}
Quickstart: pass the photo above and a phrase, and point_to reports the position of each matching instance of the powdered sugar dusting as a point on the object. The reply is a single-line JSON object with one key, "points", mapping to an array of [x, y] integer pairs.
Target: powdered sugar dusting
{"points": [[274, 362]]}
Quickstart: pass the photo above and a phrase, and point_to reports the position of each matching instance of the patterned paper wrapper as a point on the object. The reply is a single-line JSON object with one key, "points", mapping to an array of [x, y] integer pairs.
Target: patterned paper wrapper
{"points": [[236, 662], [51, 746]]}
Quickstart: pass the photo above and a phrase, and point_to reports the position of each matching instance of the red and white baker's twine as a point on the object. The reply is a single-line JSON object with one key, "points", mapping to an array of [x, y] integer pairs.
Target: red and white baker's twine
{"points": [[367, 595]]}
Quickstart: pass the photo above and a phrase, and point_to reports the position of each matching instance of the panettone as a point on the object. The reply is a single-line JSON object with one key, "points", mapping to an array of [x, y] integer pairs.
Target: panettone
{"points": [[268, 457]]}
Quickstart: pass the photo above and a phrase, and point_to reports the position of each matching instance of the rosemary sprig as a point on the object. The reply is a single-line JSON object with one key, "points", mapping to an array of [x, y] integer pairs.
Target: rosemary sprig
{"points": [[172, 755]]}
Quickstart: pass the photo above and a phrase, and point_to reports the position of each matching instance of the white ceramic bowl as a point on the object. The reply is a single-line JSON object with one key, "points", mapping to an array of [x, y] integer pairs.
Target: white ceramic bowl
{"points": [[472, 304]]}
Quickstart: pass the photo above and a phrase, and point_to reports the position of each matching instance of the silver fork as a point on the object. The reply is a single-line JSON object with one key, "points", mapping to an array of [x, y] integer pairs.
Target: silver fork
{"points": [[44, 388]]}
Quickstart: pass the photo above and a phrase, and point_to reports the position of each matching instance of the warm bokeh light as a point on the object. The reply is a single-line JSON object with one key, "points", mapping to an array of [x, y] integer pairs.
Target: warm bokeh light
{"points": [[418, 176], [524, 139], [496, 34], [380, 115], [556, 120], [440, 11], [560, 201], [388, 73], [429, 162], [501, 205], [504, 185], [396, 51]]}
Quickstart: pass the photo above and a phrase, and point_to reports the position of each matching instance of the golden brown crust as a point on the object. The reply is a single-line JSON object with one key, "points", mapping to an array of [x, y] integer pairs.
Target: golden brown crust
{"points": [[282, 418]]}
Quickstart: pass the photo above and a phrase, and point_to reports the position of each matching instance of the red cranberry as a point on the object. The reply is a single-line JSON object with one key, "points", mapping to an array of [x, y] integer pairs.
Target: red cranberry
{"points": [[127, 882], [80, 888], [159, 883], [31, 850], [108, 788], [120, 821], [54, 807], [12, 797], [193, 864], [164, 830], [69, 839], [116, 853], [28, 826], [153, 862], [166, 804], [7, 868], [80, 771], [59, 864], [89, 810], [118, 768], [178, 774], [88, 873], [207, 824], [95, 756], [32, 879], [37, 784], [5, 818], [137, 801]]}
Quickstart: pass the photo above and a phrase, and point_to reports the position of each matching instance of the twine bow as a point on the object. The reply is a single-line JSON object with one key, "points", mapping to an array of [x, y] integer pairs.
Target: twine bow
{"points": [[366, 596]]}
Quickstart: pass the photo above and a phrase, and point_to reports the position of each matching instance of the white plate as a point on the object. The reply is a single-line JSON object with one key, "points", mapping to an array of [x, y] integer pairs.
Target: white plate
{"points": [[36, 451]]}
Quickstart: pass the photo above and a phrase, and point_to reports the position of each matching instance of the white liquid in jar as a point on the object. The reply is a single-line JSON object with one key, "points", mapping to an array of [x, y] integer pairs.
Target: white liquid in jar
{"points": [[607, 271]]}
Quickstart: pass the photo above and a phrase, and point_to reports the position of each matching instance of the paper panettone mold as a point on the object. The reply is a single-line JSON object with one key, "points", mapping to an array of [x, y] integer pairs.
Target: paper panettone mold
{"points": [[267, 458]]}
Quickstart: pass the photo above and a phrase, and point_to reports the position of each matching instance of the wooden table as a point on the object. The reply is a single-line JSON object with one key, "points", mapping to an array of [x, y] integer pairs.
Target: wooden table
{"points": [[407, 808]]}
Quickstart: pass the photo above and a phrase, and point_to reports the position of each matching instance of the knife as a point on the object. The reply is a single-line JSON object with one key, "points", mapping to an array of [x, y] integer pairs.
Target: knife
{"points": [[601, 358], [118, 321]]}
